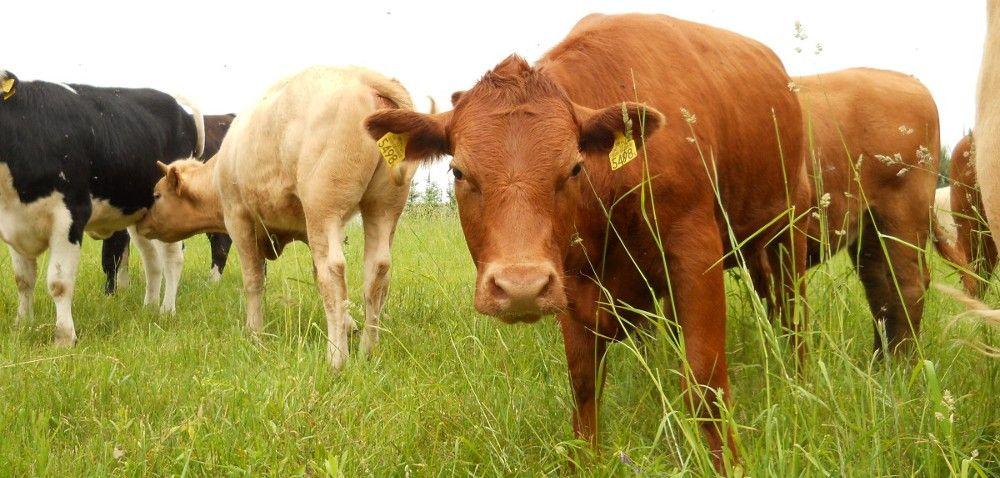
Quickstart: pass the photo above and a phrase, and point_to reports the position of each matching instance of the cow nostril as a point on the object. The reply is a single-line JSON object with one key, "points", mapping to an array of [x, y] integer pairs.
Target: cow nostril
{"points": [[496, 290], [546, 287]]}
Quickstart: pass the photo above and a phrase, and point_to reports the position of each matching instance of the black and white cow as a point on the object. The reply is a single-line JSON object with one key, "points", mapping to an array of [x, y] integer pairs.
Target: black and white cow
{"points": [[76, 158], [159, 257]]}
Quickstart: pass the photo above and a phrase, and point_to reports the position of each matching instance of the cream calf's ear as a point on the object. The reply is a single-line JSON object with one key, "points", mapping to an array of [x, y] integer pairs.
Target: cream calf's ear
{"points": [[598, 128], [171, 176], [426, 134]]}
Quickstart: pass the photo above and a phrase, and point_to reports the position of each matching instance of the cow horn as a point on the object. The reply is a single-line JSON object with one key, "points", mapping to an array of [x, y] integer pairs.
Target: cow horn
{"points": [[162, 167]]}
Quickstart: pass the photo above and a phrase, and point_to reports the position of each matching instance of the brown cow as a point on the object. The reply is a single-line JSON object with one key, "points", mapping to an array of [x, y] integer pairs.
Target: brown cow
{"points": [[975, 249], [874, 162], [548, 240]]}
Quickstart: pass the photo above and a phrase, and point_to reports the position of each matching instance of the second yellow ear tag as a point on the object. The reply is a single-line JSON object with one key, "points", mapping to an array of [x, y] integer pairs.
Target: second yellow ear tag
{"points": [[7, 87], [393, 148], [623, 151]]}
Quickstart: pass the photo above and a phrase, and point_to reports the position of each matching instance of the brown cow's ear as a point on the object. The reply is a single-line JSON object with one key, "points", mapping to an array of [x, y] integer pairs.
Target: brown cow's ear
{"points": [[426, 135], [598, 128], [455, 97]]}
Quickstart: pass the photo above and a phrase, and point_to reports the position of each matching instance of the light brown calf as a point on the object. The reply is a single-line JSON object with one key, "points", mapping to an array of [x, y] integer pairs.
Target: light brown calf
{"points": [[297, 166], [873, 169]]}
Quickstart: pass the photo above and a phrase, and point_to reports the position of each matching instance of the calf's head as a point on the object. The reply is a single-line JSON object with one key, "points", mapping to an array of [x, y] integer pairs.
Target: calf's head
{"points": [[519, 146], [183, 203]]}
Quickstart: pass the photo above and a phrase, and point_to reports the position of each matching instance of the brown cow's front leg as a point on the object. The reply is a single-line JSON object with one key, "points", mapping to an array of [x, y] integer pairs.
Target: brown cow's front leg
{"points": [[700, 301], [584, 353]]}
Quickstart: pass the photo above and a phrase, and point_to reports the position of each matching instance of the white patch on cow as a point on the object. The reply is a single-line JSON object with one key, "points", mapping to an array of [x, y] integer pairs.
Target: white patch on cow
{"points": [[69, 88], [942, 209], [26, 227], [215, 275], [106, 219]]}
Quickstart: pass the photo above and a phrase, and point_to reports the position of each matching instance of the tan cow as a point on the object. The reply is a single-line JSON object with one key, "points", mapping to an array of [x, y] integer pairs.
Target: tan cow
{"points": [[552, 227], [298, 166], [873, 169], [975, 253]]}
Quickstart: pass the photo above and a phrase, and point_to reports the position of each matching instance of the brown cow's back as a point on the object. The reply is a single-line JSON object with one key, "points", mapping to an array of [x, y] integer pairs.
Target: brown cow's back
{"points": [[683, 65], [862, 119]]}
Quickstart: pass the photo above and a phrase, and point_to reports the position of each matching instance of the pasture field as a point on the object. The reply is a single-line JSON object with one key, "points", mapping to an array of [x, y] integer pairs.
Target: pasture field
{"points": [[450, 392]]}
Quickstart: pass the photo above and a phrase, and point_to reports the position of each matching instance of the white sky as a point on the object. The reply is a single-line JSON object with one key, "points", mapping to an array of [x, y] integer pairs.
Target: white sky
{"points": [[223, 54]]}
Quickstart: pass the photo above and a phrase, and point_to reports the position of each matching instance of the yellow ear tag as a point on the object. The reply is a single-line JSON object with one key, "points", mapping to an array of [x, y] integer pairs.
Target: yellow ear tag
{"points": [[7, 87], [623, 151], [393, 148]]}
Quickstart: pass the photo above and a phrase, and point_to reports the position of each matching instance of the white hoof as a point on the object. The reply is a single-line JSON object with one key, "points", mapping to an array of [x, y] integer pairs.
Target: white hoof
{"points": [[337, 356], [214, 275], [369, 340], [65, 339]]}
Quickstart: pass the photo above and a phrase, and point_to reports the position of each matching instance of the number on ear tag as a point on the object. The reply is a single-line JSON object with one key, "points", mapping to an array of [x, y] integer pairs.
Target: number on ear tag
{"points": [[393, 148], [623, 151], [7, 87]]}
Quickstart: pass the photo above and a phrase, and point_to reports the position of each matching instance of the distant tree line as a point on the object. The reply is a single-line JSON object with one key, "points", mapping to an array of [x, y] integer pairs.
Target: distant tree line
{"points": [[432, 197]]}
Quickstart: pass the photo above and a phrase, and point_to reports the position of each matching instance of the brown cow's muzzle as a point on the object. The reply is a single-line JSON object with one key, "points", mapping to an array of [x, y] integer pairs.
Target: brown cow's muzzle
{"points": [[521, 292]]}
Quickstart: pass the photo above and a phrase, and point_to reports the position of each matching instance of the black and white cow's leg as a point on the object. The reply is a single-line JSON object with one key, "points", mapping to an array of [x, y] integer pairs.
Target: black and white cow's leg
{"points": [[114, 261], [152, 263], [25, 275], [64, 257], [173, 261], [220, 243]]}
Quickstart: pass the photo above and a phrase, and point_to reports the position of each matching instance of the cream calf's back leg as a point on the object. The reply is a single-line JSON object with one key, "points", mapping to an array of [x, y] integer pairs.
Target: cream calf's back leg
{"points": [[379, 228], [326, 242], [25, 275], [244, 236], [64, 258], [152, 264]]}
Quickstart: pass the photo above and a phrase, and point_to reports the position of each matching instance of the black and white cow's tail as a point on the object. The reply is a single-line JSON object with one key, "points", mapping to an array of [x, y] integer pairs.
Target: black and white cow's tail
{"points": [[199, 125]]}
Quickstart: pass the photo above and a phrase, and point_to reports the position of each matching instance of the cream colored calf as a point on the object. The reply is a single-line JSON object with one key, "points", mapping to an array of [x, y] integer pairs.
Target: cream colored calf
{"points": [[297, 166], [988, 121]]}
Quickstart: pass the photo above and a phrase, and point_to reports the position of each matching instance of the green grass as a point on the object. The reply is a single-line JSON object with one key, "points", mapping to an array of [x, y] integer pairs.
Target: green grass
{"points": [[450, 392]]}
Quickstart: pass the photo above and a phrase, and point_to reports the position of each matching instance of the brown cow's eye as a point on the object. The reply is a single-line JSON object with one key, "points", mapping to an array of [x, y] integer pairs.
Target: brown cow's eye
{"points": [[156, 196], [457, 173], [576, 170]]}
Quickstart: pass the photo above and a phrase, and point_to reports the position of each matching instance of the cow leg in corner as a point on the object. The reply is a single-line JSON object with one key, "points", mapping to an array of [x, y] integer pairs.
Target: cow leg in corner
{"points": [[326, 239], [25, 275], [114, 261], [700, 301], [152, 264], [64, 258], [173, 259], [248, 247]]}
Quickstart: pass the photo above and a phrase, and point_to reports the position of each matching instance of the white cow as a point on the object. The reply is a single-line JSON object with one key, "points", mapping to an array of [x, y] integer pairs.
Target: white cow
{"points": [[298, 166]]}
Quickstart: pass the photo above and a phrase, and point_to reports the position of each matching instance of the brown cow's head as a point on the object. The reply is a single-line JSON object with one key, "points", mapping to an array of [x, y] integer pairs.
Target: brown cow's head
{"points": [[519, 145]]}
